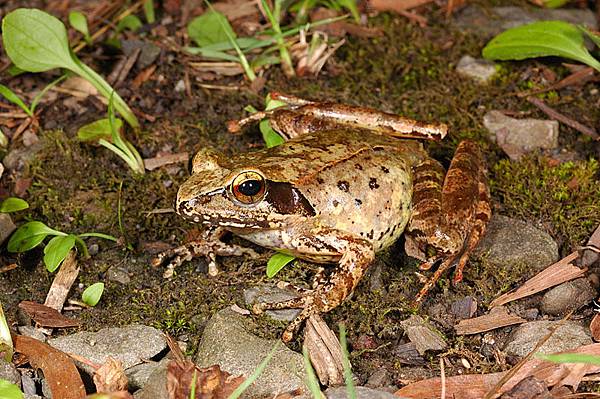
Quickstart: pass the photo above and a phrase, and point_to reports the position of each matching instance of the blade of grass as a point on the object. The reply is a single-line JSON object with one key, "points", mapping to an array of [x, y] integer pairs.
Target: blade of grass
{"points": [[288, 68], [41, 94], [311, 379], [250, 380], [350, 390]]}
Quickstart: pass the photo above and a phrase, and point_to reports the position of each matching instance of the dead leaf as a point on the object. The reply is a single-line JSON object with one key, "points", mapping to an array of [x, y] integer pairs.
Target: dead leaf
{"points": [[557, 273], [211, 382], [110, 377], [496, 318], [475, 386], [46, 316], [59, 370], [66, 276], [595, 327], [396, 5], [324, 350], [165, 159]]}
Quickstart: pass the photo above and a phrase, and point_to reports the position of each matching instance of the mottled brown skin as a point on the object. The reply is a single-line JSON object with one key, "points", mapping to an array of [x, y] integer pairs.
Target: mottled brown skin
{"points": [[343, 187]]}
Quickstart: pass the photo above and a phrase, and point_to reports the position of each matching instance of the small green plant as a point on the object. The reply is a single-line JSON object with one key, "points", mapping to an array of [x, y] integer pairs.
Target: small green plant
{"points": [[277, 262], [47, 47], [543, 39], [350, 390], [8, 390], [149, 11], [108, 134], [13, 204], [79, 22], [303, 7], [6, 344], [92, 294], [274, 18], [570, 358], [29, 110], [33, 233]]}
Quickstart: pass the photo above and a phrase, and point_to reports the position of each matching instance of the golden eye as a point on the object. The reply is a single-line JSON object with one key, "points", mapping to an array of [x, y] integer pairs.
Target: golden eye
{"points": [[248, 187]]}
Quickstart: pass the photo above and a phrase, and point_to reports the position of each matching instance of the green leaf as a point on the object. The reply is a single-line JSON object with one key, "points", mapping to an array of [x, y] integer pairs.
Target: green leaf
{"points": [[149, 11], [29, 236], [13, 98], [210, 28], [13, 204], [130, 22], [540, 39], [8, 390], [36, 50], [56, 251], [99, 129], [270, 136], [571, 358], [592, 35], [6, 343], [92, 294], [554, 3], [277, 262], [79, 23]]}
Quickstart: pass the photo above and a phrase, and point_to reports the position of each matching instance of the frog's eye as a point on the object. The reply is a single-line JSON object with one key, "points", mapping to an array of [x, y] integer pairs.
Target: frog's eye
{"points": [[248, 187]]}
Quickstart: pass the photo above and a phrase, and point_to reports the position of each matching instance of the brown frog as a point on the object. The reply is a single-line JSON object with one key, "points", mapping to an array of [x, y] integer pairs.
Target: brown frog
{"points": [[345, 185]]}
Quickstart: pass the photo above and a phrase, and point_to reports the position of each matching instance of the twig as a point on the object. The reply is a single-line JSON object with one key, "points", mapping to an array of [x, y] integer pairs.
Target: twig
{"points": [[588, 131]]}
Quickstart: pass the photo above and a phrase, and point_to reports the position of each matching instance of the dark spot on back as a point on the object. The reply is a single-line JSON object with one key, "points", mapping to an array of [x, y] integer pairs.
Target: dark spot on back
{"points": [[358, 166], [385, 170], [373, 183], [335, 203], [286, 199], [357, 202], [320, 180], [343, 185]]}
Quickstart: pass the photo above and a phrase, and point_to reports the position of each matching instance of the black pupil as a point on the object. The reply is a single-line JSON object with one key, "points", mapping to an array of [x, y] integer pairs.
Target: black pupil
{"points": [[250, 187]]}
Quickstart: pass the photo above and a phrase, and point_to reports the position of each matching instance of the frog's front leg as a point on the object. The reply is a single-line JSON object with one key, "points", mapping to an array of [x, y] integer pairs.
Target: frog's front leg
{"points": [[209, 246], [450, 213], [354, 256], [302, 116]]}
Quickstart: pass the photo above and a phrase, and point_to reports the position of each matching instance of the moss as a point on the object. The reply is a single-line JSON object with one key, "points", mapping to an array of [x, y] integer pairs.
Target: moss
{"points": [[564, 198]]}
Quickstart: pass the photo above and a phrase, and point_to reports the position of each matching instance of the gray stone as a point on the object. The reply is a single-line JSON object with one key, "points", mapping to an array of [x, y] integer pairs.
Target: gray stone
{"points": [[139, 375], [9, 372], [32, 332], [568, 296], [156, 387], [477, 69], [489, 22], [16, 159], [510, 243], [6, 227], [272, 294], [28, 385], [569, 335], [119, 275], [361, 393], [519, 136], [148, 51], [227, 342], [379, 378], [131, 345], [423, 335]]}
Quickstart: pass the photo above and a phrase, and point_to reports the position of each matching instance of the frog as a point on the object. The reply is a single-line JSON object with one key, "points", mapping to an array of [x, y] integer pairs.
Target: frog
{"points": [[345, 184]]}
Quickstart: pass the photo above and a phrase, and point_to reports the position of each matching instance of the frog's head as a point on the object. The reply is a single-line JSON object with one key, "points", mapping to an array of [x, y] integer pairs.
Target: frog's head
{"points": [[241, 197]]}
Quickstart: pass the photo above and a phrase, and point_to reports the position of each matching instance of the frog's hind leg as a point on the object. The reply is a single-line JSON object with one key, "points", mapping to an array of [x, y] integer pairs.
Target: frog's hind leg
{"points": [[449, 214]]}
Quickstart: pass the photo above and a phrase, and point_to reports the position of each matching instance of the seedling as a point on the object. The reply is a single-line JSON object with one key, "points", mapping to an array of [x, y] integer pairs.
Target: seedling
{"points": [[47, 47], [303, 7], [6, 344], [33, 233], [13, 204], [79, 22], [543, 39], [8, 390], [29, 110], [149, 11], [92, 294], [108, 134], [274, 17]]}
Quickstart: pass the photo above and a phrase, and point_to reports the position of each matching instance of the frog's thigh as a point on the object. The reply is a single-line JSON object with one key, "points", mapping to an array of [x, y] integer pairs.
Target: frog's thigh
{"points": [[450, 217]]}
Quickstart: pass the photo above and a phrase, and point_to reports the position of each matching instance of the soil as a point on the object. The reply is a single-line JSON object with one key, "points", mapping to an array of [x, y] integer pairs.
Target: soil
{"points": [[410, 70]]}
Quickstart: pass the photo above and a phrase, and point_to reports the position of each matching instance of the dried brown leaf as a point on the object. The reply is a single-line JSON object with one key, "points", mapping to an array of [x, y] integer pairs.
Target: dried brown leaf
{"points": [[396, 5], [166, 159], [110, 377], [46, 316], [496, 318], [59, 370], [210, 382]]}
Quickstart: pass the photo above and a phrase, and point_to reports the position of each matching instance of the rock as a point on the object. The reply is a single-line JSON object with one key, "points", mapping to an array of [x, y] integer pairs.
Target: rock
{"points": [[510, 244], [568, 336], [140, 374], [490, 22], [272, 294], [6, 227], [9, 372], [131, 345], [28, 385], [464, 308], [148, 54], [378, 379], [361, 393], [477, 69], [156, 387], [423, 334], [227, 342], [568, 296], [118, 274], [16, 159], [519, 136], [32, 332]]}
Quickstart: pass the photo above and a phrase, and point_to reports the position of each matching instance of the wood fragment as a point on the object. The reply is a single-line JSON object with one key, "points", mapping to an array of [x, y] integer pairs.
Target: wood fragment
{"points": [[143, 76], [129, 63], [7, 268], [557, 273], [59, 290], [552, 113], [396, 5], [595, 327], [497, 317], [324, 351], [167, 159]]}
